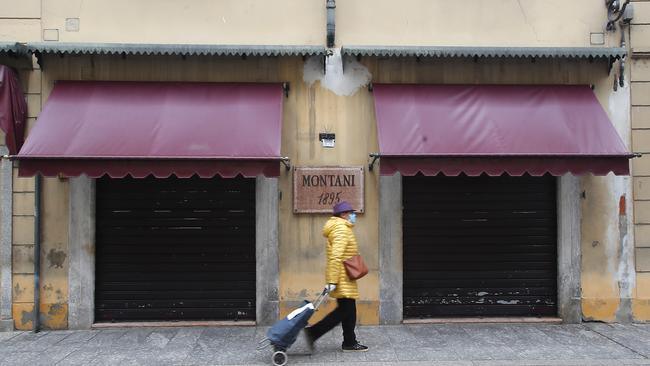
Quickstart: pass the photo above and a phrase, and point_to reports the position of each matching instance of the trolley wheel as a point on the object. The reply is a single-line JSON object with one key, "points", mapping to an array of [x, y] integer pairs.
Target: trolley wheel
{"points": [[279, 358]]}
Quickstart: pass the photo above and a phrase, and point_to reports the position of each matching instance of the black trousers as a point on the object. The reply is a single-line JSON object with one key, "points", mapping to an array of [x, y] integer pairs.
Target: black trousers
{"points": [[346, 314]]}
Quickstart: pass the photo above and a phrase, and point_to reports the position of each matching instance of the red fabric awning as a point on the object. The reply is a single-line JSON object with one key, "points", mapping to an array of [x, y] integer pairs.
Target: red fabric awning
{"points": [[495, 129], [157, 128], [13, 109]]}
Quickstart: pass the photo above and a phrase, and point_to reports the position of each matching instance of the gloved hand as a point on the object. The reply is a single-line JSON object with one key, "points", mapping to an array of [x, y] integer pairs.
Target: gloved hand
{"points": [[330, 287]]}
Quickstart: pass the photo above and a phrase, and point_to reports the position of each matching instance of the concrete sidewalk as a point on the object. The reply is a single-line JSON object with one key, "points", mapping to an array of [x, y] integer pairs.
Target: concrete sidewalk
{"points": [[435, 344]]}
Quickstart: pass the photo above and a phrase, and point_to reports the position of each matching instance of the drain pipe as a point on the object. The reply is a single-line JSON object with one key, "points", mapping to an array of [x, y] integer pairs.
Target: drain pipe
{"points": [[37, 252], [619, 80], [331, 23]]}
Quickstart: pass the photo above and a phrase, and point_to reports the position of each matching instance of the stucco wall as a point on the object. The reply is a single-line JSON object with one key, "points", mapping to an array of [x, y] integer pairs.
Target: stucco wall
{"points": [[607, 275], [338, 103], [20, 20], [311, 109], [6, 212], [198, 21], [640, 115], [23, 217], [361, 22], [469, 22], [307, 111]]}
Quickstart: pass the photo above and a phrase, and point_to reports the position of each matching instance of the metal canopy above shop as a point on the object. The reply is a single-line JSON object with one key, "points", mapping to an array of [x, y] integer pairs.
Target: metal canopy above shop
{"points": [[608, 53], [13, 49], [173, 49], [495, 129], [156, 128]]}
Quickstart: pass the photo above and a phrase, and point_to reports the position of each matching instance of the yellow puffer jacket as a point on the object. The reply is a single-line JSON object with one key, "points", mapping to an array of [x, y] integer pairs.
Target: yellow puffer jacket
{"points": [[341, 245]]}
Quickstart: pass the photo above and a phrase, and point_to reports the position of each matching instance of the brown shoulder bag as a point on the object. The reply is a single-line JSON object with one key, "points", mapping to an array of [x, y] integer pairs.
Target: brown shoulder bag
{"points": [[355, 267]]}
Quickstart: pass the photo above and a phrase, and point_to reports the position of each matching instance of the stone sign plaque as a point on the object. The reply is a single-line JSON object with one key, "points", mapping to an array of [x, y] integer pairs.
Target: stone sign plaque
{"points": [[317, 190]]}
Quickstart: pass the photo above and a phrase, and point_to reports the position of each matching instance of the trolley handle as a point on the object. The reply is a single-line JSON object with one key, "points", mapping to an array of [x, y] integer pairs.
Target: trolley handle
{"points": [[321, 297]]}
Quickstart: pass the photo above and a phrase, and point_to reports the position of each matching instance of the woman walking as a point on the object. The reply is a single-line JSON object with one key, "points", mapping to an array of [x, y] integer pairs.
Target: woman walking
{"points": [[341, 245]]}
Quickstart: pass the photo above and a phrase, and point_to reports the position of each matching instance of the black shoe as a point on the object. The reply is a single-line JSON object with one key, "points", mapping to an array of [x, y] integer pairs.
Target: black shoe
{"points": [[308, 339], [357, 347]]}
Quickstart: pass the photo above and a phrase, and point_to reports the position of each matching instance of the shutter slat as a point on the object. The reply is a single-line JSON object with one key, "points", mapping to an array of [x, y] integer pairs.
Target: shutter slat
{"points": [[175, 249], [479, 246]]}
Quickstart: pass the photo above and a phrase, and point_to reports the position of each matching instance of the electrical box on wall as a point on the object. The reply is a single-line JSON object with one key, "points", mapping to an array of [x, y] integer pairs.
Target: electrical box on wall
{"points": [[327, 139]]}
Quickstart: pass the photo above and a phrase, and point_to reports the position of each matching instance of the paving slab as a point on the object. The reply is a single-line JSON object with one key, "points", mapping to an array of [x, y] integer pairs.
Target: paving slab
{"points": [[629, 336], [79, 357], [185, 337], [51, 357], [417, 344], [6, 336], [76, 336], [33, 342], [539, 346], [112, 359], [108, 338], [132, 339], [157, 357]]}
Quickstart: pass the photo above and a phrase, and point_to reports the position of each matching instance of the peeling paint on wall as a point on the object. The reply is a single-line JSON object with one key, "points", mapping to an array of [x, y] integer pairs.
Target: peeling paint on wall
{"points": [[600, 309], [54, 309], [619, 109], [626, 274], [608, 275], [54, 315], [18, 290], [343, 76], [26, 318], [59, 295], [89, 248], [56, 258]]}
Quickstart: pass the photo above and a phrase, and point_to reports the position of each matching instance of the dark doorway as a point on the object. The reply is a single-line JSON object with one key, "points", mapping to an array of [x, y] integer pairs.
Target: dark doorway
{"points": [[175, 249], [479, 246]]}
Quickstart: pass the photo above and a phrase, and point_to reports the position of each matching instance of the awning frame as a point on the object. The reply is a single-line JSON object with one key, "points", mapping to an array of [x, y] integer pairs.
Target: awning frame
{"points": [[284, 160], [610, 54], [170, 49], [373, 157], [39, 49], [141, 168], [485, 52]]}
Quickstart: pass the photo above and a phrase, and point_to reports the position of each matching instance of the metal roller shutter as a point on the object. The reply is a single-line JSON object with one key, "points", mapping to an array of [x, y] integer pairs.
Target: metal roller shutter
{"points": [[175, 249], [479, 246]]}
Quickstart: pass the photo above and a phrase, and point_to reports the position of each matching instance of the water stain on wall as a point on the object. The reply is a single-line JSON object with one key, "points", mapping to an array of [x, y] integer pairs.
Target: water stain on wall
{"points": [[55, 309], [342, 76], [26, 317], [18, 290], [55, 258]]}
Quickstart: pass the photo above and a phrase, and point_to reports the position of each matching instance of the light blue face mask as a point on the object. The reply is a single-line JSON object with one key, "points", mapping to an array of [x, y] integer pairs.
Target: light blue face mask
{"points": [[352, 218]]}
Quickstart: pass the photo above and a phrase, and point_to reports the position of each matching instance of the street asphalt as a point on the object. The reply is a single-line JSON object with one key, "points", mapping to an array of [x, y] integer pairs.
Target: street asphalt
{"points": [[416, 345]]}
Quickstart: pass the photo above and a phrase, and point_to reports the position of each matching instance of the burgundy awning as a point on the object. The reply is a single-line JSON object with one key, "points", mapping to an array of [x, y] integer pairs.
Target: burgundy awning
{"points": [[13, 109], [157, 128], [495, 129]]}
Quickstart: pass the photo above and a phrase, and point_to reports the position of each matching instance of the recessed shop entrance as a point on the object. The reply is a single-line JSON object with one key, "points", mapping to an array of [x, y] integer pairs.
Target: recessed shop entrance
{"points": [[479, 246], [175, 249]]}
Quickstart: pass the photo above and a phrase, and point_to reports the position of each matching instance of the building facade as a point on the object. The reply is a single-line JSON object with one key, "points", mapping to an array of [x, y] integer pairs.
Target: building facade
{"points": [[496, 235]]}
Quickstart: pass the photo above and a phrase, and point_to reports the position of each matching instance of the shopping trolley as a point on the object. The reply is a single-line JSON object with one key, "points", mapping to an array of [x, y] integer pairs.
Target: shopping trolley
{"points": [[284, 333]]}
